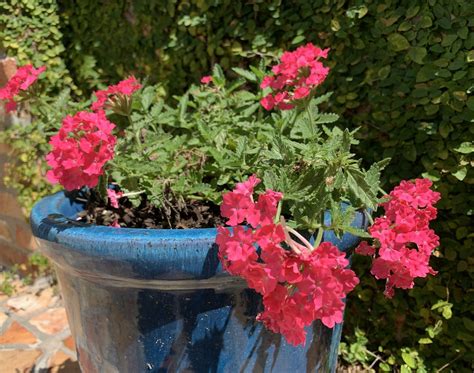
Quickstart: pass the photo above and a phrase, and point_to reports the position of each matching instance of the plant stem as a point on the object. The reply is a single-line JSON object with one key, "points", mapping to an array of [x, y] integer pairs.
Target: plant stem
{"points": [[383, 191], [278, 213], [310, 118], [137, 133], [290, 241], [133, 193], [369, 217], [102, 186], [319, 237]]}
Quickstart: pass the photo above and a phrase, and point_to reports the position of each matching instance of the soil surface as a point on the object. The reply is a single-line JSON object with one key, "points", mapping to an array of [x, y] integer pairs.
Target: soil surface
{"points": [[174, 213]]}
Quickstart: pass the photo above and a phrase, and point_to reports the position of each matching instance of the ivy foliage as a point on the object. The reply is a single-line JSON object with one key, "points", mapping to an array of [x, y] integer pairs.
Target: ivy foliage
{"points": [[402, 72], [30, 31]]}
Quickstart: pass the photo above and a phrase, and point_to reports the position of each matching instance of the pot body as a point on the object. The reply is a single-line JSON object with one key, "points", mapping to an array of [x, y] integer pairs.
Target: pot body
{"points": [[142, 300]]}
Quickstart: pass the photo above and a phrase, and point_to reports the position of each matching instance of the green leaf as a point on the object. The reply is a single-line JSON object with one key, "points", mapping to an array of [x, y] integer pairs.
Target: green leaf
{"points": [[470, 103], [409, 152], [417, 54], [470, 56], [468, 324], [298, 39], [409, 360], [183, 106], [357, 11], [460, 173], [320, 99], [465, 148], [425, 22], [398, 42], [405, 369], [148, 95], [218, 77], [326, 118], [425, 341], [447, 313], [245, 73], [425, 73], [359, 189]]}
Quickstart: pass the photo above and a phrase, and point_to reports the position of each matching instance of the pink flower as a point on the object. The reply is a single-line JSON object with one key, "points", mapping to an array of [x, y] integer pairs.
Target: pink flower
{"points": [[301, 92], [296, 288], [124, 88], [238, 205], [268, 102], [24, 77], [403, 235], [115, 224], [297, 75], [114, 197], [206, 79], [365, 249], [80, 150]]}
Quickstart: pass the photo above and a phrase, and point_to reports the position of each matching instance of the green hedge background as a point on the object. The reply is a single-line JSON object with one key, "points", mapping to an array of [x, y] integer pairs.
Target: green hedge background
{"points": [[402, 71]]}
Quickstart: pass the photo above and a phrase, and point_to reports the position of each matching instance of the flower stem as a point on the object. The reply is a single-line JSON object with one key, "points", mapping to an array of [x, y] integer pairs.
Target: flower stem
{"points": [[369, 217], [310, 118], [319, 237], [133, 193], [137, 133], [287, 230], [278, 213]]}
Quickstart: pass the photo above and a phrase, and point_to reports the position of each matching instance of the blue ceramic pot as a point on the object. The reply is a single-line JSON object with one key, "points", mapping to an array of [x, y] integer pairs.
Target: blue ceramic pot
{"points": [[158, 301]]}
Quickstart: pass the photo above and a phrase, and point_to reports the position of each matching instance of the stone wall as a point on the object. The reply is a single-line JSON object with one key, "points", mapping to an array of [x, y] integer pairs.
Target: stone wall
{"points": [[16, 240]]}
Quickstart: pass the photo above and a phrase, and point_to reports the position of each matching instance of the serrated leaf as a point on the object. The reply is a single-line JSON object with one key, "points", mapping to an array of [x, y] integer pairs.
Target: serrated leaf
{"points": [[183, 106], [320, 99], [258, 72], [218, 76], [245, 73], [360, 190], [251, 109], [147, 97], [357, 232], [326, 118], [237, 84], [372, 176]]}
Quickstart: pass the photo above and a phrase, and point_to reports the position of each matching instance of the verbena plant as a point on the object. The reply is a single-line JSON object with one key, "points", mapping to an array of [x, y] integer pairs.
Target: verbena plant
{"points": [[260, 133]]}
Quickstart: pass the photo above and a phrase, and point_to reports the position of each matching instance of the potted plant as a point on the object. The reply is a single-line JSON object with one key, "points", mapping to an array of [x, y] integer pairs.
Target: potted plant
{"points": [[189, 293]]}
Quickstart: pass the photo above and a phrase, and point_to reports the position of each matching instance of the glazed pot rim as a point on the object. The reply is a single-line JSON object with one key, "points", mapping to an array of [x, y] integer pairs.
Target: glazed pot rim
{"points": [[102, 253], [53, 219]]}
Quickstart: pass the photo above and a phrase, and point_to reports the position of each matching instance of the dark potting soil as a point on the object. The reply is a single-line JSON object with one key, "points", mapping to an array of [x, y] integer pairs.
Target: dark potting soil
{"points": [[175, 213]]}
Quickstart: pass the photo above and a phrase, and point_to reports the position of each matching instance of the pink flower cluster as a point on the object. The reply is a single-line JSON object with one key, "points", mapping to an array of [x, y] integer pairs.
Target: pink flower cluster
{"points": [[298, 73], [403, 237], [24, 77], [297, 286], [125, 87], [81, 148]]}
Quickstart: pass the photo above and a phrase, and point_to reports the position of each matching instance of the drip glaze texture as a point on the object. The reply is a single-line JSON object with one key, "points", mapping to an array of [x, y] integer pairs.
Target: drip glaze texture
{"points": [[158, 300]]}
